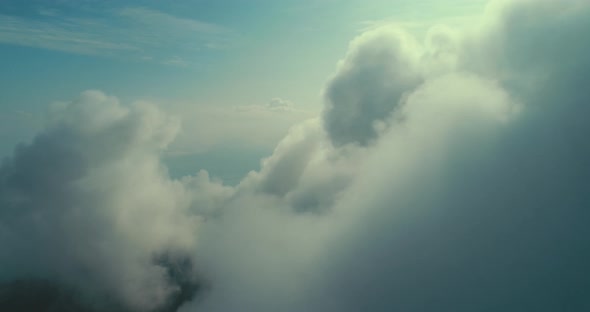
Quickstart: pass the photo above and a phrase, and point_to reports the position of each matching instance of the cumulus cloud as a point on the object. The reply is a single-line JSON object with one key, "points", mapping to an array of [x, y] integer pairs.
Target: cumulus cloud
{"points": [[444, 175], [88, 205], [468, 191], [380, 67]]}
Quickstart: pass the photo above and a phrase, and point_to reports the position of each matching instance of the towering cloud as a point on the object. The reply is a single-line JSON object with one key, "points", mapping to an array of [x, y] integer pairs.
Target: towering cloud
{"points": [[448, 175], [379, 68]]}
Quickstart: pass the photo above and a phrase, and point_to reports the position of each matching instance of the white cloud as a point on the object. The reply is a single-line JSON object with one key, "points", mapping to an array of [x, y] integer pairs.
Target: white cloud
{"points": [[279, 104], [472, 197], [380, 67], [88, 205]]}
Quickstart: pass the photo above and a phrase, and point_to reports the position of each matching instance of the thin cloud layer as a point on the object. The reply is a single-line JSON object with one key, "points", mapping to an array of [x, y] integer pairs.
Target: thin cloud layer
{"points": [[448, 175], [134, 33]]}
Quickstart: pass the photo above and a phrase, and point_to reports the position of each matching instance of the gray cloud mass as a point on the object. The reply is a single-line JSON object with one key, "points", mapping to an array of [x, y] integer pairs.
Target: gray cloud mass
{"points": [[451, 174]]}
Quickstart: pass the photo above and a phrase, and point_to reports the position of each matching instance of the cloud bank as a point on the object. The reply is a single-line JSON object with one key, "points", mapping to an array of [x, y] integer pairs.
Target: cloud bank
{"points": [[445, 174]]}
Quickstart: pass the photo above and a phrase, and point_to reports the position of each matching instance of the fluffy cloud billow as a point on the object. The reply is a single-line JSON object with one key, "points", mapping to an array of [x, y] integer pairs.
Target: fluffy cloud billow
{"points": [[445, 174], [87, 205]]}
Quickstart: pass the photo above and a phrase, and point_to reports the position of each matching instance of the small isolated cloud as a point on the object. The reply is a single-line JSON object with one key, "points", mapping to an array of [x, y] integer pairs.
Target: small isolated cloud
{"points": [[444, 175], [278, 104], [274, 105]]}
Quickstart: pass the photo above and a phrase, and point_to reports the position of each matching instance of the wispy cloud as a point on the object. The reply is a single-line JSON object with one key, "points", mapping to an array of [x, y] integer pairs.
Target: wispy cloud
{"points": [[159, 19], [131, 32], [62, 36], [175, 61]]}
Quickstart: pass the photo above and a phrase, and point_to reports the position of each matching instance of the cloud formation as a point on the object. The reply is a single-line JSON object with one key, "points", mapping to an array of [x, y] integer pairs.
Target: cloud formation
{"points": [[88, 205], [378, 69], [444, 175], [469, 193]]}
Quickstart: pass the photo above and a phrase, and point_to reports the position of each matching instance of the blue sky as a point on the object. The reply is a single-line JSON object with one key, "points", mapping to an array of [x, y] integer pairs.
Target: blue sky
{"points": [[192, 58]]}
